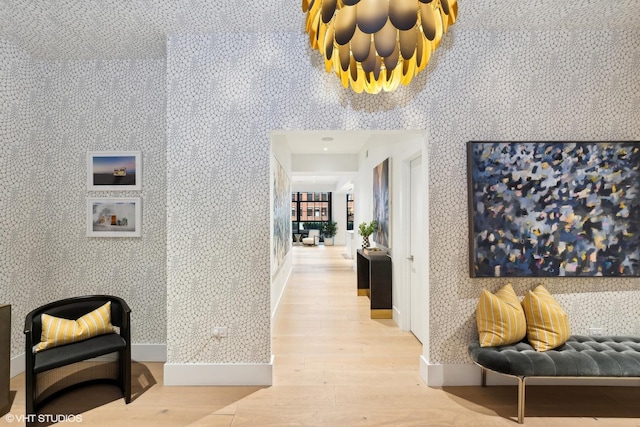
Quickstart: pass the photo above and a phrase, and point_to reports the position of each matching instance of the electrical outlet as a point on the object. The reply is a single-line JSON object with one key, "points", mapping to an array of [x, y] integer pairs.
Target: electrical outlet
{"points": [[220, 331], [596, 332]]}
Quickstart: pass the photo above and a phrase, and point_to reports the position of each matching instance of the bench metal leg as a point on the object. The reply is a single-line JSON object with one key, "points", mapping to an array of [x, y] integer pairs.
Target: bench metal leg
{"points": [[521, 386], [484, 377]]}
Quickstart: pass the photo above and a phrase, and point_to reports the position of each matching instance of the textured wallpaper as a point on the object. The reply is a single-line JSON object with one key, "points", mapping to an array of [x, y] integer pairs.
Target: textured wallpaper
{"points": [[480, 85], [218, 187], [17, 270], [578, 85], [59, 111], [206, 173]]}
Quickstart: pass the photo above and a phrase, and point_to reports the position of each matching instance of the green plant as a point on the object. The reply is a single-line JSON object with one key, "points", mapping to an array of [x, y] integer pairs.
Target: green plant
{"points": [[367, 230], [329, 229]]}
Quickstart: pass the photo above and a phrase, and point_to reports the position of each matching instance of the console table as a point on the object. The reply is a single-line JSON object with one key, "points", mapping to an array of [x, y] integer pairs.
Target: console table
{"points": [[5, 357], [374, 281]]}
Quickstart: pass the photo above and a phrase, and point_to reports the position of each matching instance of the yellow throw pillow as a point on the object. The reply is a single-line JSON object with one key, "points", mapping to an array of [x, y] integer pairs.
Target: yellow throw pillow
{"points": [[57, 331], [547, 322], [500, 318]]}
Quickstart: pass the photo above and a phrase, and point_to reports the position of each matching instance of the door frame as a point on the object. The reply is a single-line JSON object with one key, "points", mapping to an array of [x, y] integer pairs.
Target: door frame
{"points": [[405, 318]]}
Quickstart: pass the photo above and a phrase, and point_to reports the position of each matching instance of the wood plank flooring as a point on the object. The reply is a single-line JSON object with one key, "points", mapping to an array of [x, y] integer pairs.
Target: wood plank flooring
{"points": [[334, 366]]}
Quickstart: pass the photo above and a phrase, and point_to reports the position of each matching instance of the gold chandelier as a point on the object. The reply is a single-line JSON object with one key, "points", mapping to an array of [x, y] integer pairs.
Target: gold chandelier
{"points": [[375, 45]]}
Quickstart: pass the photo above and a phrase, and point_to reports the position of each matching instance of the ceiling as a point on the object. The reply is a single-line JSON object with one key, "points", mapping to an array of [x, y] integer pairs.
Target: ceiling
{"points": [[125, 29], [326, 142]]}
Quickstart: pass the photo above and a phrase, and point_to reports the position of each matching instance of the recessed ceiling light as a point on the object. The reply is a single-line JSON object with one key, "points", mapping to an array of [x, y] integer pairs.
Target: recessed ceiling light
{"points": [[325, 149], [327, 138]]}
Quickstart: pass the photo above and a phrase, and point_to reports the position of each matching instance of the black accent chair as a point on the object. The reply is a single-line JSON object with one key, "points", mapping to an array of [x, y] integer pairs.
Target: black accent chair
{"points": [[43, 383]]}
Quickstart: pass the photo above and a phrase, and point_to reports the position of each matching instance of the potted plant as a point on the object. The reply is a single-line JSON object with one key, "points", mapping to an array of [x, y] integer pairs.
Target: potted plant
{"points": [[366, 230], [329, 229]]}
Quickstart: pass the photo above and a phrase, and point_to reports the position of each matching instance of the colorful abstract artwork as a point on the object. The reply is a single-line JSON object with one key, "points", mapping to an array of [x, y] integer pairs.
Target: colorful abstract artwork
{"points": [[381, 198], [554, 209], [281, 215]]}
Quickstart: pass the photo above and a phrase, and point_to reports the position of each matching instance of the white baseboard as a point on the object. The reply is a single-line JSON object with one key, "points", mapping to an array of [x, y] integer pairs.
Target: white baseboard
{"points": [[17, 365], [438, 375], [139, 353], [149, 352], [222, 374]]}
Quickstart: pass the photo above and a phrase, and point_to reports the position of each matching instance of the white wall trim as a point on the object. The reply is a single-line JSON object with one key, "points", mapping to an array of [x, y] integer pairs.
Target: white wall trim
{"points": [[437, 375], [149, 352], [279, 285], [397, 317], [218, 374], [139, 353], [17, 365]]}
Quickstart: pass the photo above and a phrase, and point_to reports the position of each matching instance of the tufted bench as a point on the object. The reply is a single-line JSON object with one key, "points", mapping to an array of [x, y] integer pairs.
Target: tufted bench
{"points": [[580, 357]]}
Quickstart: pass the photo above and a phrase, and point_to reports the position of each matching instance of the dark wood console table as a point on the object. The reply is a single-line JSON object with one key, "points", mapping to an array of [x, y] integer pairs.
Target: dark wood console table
{"points": [[374, 281], [5, 357]]}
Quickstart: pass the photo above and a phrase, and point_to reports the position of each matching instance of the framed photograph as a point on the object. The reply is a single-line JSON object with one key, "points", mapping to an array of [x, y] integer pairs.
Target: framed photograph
{"points": [[111, 217], [381, 204], [553, 209], [114, 170]]}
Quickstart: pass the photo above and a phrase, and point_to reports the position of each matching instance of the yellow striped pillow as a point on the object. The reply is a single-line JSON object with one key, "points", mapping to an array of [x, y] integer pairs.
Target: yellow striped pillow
{"points": [[500, 318], [547, 322], [57, 331]]}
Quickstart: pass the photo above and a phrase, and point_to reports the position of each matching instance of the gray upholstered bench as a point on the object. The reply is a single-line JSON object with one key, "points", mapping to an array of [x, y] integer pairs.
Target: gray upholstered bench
{"points": [[580, 357]]}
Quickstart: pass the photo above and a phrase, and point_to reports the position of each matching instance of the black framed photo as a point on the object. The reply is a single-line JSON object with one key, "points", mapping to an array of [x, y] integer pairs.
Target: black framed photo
{"points": [[554, 209]]}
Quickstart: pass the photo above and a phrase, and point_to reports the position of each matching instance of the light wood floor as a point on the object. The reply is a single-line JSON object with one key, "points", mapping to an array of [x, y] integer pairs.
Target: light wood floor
{"points": [[334, 366]]}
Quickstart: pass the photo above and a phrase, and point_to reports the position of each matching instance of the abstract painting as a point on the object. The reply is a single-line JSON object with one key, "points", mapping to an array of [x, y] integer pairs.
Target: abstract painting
{"points": [[282, 215], [382, 235], [554, 209]]}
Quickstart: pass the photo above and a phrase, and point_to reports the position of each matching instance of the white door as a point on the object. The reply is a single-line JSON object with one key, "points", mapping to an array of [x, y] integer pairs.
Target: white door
{"points": [[418, 255]]}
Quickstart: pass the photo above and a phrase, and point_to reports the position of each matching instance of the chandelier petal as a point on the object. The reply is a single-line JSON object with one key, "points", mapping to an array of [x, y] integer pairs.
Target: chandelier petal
{"points": [[408, 43], [372, 15], [328, 10], [369, 63], [328, 41], [385, 39], [360, 45], [345, 25], [403, 13], [445, 6], [428, 17], [423, 54], [345, 56], [391, 61], [453, 8]]}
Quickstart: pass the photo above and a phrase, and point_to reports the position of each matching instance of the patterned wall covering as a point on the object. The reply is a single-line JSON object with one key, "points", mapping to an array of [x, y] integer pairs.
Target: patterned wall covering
{"points": [[224, 93], [223, 101], [122, 29], [218, 187], [18, 269], [61, 110], [523, 86]]}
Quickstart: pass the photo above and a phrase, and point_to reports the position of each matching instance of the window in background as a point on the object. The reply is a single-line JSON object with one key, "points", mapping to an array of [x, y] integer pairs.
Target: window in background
{"points": [[309, 211]]}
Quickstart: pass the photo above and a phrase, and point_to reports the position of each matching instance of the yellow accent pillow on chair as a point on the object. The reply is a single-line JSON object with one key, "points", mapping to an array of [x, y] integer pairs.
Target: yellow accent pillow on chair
{"points": [[500, 318], [547, 322], [57, 331]]}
